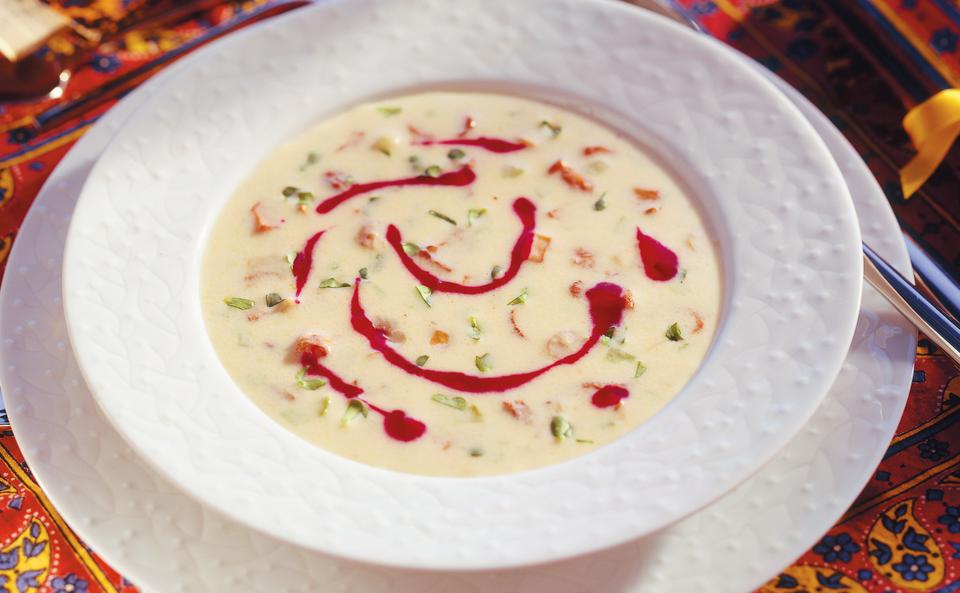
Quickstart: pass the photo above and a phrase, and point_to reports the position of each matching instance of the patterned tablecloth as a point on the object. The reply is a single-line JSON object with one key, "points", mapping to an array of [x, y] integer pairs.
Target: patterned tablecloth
{"points": [[863, 62]]}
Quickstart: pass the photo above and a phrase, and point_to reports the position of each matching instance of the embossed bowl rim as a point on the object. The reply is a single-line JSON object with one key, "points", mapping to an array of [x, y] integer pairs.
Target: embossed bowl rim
{"points": [[784, 221]]}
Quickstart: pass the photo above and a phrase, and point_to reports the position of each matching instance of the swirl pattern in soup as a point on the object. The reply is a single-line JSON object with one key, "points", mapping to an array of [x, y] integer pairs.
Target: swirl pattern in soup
{"points": [[460, 284]]}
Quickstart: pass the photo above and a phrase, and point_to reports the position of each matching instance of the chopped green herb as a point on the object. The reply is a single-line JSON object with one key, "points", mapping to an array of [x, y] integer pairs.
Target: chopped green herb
{"points": [[304, 198], [616, 354], [422, 360], [324, 406], [673, 333], [600, 204], [477, 414], [474, 328], [289, 191], [238, 303], [553, 129], [511, 171], [476, 452], [453, 402], [411, 248], [390, 111], [560, 428], [473, 214], [641, 369], [273, 299], [520, 299], [312, 159], [384, 145], [363, 273], [442, 217], [424, 293], [333, 283], [495, 272], [311, 384], [415, 163], [354, 408], [585, 441], [683, 275], [607, 338], [455, 154], [482, 364], [373, 199], [433, 171]]}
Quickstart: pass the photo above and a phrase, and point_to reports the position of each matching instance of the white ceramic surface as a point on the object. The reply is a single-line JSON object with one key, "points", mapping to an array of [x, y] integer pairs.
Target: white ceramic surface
{"points": [[781, 211], [166, 542]]}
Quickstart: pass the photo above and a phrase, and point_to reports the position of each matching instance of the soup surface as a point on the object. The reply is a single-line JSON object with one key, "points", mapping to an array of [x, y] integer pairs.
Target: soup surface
{"points": [[460, 284]]}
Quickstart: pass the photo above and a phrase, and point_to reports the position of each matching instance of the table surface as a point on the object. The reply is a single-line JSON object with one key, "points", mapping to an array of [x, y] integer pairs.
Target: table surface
{"points": [[863, 62]]}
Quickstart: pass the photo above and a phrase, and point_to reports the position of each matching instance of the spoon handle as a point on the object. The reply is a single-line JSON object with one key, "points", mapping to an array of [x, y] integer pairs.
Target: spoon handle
{"points": [[941, 330]]}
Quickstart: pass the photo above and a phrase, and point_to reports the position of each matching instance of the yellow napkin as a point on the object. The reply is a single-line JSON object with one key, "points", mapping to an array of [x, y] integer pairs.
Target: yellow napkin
{"points": [[933, 126]]}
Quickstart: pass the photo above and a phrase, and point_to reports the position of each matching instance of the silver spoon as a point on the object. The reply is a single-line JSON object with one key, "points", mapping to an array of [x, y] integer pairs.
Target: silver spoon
{"points": [[939, 327]]}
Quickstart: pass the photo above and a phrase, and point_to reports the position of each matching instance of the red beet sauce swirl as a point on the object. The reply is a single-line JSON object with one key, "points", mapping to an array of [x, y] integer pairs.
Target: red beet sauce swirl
{"points": [[461, 177], [497, 145], [606, 302], [303, 262], [609, 396], [659, 261], [525, 211], [396, 423]]}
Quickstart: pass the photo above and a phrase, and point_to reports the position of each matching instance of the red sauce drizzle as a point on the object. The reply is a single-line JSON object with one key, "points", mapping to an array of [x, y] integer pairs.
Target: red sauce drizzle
{"points": [[659, 262], [606, 300], [609, 396], [396, 423], [304, 261], [399, 426], [525, 211], [460, 177], [498, 145], [606, 308]]}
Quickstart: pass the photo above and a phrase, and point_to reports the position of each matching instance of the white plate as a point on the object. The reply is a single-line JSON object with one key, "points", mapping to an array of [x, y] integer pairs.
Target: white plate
{"points": [[782, 216], [166, 542]]}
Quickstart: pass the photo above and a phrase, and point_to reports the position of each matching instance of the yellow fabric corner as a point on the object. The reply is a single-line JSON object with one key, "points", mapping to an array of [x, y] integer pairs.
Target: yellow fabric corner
{"points": [[933, 127]]}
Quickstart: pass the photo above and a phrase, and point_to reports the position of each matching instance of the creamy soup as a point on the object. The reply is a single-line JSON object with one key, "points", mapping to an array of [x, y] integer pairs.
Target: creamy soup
{"points": [[460, 284]]}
